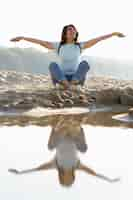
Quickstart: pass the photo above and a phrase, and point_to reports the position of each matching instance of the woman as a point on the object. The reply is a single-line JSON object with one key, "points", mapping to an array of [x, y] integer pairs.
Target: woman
{"points": [[67, 137], [71, 70]]}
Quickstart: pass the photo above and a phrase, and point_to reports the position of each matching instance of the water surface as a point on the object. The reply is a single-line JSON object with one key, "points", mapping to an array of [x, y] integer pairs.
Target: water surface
{"points": [[24, 144]]}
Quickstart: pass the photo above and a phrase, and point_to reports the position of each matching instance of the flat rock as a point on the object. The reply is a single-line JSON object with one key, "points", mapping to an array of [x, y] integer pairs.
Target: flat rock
{"points": [[41, 112]]}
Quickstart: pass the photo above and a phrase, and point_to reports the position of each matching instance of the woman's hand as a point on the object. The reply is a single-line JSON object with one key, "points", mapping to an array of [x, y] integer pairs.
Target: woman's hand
{"points": [[118, 34], [114, 180], [108, 179], [14, 171], [17, 39]]}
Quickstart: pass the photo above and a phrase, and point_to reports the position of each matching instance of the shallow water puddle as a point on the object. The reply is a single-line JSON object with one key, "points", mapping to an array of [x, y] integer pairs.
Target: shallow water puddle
{"points": [[108, 153]]}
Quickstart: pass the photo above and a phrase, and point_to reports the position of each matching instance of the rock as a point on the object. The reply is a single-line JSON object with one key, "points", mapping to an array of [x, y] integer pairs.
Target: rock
{"points": [[59, 105], [22, 105], [126, 96], [130, 111], [108, 96], [126, 99], [24, 90], [69, 102]]}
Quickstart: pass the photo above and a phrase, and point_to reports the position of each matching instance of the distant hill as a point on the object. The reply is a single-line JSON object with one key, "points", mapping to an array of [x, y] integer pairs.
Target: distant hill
{"points": [[26, 60], [34, 61]]}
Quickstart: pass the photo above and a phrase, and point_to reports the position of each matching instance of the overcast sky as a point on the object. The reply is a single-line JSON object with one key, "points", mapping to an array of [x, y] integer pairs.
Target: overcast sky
{"points": [[45, 19]]}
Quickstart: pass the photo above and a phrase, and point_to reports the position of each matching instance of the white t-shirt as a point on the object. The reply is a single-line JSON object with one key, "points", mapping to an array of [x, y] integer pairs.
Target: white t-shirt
{"points": [[66, 154], [69, 55]]}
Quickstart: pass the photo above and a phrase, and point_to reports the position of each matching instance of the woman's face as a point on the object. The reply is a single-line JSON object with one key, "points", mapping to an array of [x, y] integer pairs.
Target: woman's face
{"points": [[71, 33]]}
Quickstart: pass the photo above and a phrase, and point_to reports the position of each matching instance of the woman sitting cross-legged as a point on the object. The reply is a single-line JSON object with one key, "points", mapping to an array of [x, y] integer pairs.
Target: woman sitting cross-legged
{"points": [[72, 70]]}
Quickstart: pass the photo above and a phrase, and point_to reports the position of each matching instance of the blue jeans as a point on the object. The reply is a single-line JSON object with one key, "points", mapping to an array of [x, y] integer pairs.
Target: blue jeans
{"points": [[57, 74]]}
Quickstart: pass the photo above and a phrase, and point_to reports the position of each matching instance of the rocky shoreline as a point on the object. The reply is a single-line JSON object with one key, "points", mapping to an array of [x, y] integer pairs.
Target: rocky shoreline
{"points": [[25, 91]]}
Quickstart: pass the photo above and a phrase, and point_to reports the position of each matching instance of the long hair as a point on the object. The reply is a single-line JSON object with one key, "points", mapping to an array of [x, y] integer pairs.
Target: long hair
{"points": [[64, 39], [66, 181]]}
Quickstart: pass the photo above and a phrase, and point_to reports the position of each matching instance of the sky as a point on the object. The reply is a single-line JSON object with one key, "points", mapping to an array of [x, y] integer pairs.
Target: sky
{"points": [[44, 19]]}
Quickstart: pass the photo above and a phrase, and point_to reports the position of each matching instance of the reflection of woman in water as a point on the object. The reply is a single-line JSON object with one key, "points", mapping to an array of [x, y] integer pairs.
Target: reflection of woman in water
{"points": [[67, 137], [71, 70]]}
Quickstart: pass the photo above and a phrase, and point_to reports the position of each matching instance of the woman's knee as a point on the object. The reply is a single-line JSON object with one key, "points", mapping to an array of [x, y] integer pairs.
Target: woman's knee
{"points": [[85, 64], [52, 65]]}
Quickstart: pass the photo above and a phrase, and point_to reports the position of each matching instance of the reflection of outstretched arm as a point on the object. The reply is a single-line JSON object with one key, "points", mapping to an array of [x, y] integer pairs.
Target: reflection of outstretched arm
{"points": [[45, 166], [92, 172]]}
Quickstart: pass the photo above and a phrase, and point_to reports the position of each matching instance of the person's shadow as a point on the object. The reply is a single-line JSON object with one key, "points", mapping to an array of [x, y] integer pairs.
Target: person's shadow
{"points": [[67, 138]]}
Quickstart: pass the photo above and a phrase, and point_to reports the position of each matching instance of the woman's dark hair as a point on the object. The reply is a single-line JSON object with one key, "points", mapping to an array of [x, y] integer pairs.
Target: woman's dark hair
{"points": [[63, 36], [62, 181]]}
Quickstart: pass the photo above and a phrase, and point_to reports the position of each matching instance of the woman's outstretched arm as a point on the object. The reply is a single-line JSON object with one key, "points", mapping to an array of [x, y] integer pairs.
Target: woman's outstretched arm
{"points": [[93, 173], [94, 41], [45, 166], [33, 40]]}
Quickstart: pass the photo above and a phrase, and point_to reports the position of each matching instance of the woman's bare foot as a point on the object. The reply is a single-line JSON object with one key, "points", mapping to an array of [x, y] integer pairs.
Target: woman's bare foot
{"points": [[75, 82], [65, 84]]}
